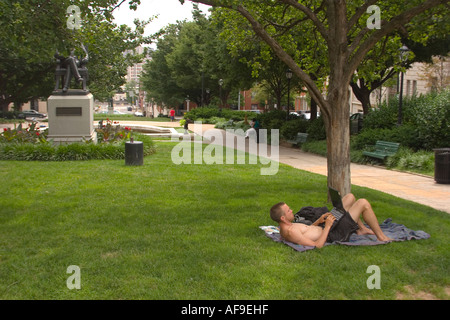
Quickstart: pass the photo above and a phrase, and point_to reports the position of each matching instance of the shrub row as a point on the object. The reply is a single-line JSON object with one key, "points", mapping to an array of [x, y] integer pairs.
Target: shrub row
{"points": [[276, 119], [208, 112], [46, 151], [50, 152]]}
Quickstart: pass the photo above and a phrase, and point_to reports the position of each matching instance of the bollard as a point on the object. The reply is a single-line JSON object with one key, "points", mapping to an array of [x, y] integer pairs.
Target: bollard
{"points": [[134, 153]]}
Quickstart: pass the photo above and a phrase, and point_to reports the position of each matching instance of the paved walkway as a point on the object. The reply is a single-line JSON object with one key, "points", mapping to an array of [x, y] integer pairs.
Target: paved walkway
{"points": [[417, 188]]}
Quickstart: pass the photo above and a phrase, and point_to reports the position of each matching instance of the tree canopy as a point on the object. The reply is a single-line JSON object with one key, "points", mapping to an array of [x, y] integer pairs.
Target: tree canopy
{"points": [[189, 61], [32, 31]]}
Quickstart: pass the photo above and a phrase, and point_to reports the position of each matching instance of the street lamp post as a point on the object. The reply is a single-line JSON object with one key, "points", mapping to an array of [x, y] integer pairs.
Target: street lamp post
{"points": [[403, 55], [289, 77], [220, 92]]}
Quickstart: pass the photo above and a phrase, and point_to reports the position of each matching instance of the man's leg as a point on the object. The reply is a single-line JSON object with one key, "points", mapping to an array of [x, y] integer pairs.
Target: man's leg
{"points": [[363, 208], [348, 201], [67, 79], [74, 68]]}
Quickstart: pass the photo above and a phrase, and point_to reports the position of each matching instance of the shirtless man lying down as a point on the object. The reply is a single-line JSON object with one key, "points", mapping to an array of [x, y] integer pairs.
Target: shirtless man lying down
{"points": [[316, 236]]}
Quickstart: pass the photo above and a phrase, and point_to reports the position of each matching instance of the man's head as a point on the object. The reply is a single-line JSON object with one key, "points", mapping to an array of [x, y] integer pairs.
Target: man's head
{"points": [[280, 212]]}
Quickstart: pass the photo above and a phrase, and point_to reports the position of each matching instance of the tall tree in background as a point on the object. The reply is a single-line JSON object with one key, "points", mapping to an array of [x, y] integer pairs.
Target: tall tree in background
{"points": [[189, 62], [156, 76], [282, 23]]}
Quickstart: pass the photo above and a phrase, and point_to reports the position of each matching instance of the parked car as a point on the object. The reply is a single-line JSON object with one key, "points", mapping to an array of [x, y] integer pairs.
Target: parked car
{"points": [[33, 114], [307, 114], [138, 114], [356, 122]]}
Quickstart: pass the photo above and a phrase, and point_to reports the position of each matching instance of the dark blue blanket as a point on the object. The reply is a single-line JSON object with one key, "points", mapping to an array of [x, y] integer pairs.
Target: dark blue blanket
{"points": [[397, 232]]}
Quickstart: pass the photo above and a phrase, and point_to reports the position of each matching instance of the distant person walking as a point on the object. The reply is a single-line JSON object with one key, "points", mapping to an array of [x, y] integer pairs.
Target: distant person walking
{"points": [[172, 115]]}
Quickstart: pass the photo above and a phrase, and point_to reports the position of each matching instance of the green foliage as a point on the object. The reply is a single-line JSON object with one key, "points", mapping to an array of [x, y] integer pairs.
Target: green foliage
{"points": [[189, 61], [9, 115], [50, 152], [290, 129], [406, 135], [409, 160], [432, 120], [316, 130], [202, 113], [426, 122], [273, 119], [32, 31], [31, 134], [212, 114], [70, 152], [32, 144], [112, 131]]}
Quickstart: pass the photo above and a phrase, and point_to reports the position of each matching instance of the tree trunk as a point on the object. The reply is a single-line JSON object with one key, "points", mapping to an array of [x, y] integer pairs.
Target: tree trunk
{"points": [[4, 105], [337, 126], [363, 95], [337, 110], [313, 102], [313, 109]]}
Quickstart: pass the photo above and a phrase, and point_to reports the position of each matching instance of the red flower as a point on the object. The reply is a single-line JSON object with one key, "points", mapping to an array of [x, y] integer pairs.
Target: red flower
{"points": [[5, 129], [37, 133]]}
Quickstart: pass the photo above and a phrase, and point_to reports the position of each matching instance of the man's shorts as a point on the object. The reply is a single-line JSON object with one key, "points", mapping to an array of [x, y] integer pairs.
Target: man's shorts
{"points": [[342, 231]]}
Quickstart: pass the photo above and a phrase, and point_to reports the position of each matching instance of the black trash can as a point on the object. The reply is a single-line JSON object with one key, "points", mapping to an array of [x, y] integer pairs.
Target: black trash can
{"points": [[134, 153], [442, 165]]}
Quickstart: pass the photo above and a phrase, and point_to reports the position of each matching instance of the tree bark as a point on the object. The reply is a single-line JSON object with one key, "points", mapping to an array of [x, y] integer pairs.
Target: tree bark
{"points": [[313, 109], [4, 105], [337, 126], [336, 109], [362, 94]]}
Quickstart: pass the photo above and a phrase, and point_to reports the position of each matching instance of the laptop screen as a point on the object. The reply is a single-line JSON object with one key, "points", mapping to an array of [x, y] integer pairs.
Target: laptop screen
{"points": [[336, 198]]}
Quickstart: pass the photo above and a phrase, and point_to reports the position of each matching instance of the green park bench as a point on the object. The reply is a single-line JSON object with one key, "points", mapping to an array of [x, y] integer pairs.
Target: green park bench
{"points": [[383, 149], [299, 138]]}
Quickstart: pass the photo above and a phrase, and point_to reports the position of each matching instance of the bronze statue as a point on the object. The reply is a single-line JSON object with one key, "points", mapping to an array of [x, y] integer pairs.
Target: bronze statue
{"points": [[69, 67]]}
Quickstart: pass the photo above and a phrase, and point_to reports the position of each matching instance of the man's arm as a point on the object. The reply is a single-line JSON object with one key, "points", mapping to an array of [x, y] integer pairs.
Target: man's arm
{"points": [[321, 219], [299, 238], [323, 237]]}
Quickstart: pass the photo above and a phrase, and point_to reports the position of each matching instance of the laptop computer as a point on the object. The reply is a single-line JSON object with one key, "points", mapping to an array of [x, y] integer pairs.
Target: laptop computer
{"points": [[338, 210]]}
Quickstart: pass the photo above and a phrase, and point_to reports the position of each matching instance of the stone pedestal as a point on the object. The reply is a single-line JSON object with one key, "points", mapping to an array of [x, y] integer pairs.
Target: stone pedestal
{"points": [[71, 117]]}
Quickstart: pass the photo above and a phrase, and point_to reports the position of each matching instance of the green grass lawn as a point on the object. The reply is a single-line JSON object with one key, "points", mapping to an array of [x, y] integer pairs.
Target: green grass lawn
{"points": [[162, 231]]}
